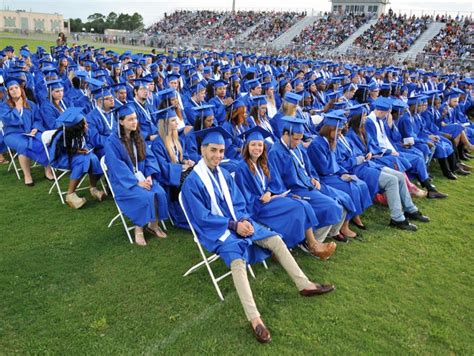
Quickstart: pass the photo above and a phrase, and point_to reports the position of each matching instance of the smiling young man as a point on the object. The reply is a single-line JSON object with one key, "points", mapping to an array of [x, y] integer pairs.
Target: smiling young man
{"points": [[216, 209]]}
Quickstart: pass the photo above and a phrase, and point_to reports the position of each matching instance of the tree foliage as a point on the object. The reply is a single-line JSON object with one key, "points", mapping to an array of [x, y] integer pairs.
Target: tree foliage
{"points": [[99, 22]]}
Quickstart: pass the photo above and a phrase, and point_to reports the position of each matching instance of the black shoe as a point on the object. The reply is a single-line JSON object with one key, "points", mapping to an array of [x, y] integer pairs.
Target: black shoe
{"points": [[418, 216], [403, 225], [340, 238], [362, 227], [304, 247], [434, 194], [49, 179], [32, 184], [450, 176]]}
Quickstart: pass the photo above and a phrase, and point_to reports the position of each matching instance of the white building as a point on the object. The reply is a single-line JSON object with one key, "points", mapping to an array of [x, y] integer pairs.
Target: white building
{"points": [[30, 22], [359, 6]]}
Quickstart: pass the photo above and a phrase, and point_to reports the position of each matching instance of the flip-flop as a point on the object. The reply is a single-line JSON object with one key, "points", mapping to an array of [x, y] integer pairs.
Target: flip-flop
{"points": [[4, 161], [156, 233]]}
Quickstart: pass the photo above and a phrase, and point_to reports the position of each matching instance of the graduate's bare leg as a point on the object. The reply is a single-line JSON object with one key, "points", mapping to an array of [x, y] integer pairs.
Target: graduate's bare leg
{"points": [[48, 172], [3, 160], [139, 237], [357, 220], [465, 141], [319, 249], [73, 183], [346, 231], [153, 226], [26, 168], [96, 193]]}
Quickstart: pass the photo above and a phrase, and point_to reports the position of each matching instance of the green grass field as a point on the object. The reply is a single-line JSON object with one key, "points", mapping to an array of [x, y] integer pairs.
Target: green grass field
{"points": [[17, 42], [70, 286]]}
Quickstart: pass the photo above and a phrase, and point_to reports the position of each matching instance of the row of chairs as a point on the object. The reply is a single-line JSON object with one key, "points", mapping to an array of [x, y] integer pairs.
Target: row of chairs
{"points": [[58, 174]]}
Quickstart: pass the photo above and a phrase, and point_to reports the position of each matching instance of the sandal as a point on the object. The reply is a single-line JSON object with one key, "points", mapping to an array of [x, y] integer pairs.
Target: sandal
{"points": [[4, 161], [156, 232], [140, 239]]}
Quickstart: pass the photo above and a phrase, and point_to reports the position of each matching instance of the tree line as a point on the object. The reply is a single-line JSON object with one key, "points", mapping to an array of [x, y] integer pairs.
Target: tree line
{"points": [[99, 22]]}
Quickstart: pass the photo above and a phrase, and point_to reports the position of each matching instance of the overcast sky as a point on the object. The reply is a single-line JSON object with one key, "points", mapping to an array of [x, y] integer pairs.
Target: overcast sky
{"points": [[153, 10]]}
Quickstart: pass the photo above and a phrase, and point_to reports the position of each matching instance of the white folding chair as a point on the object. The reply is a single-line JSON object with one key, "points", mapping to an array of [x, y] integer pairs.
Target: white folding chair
{"points": [[206, 261], [13, 156], [120, 215], [58, 173]]}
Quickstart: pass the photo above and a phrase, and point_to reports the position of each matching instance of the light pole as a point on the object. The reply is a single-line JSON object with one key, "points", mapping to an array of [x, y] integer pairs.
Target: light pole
{"points": [[233, 5]]}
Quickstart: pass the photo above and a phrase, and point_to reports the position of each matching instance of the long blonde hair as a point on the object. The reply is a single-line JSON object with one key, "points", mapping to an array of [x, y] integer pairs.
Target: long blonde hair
{"points": [[169, 138]]}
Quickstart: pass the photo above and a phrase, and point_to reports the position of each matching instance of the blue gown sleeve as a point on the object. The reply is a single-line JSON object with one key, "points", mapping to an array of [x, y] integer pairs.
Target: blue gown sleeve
{"points": [[170, 172], [119, 171]]}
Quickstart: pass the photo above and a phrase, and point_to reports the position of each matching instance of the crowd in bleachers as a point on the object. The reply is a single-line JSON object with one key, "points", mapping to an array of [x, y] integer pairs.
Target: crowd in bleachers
{"points": [[395, 33], [331, 30], [453, 41], [185, 22], [274, 25]]}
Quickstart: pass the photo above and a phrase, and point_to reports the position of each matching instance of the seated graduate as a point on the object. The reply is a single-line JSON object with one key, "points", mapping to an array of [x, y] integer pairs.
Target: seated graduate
{"points": [[216, 209], [198, 94], [145, 113], [267, 202], [101, 120], [292, 164], [169, 97], [120, 93], [321, 153], [22, 130], [134, 173], [258, 117], [174, 164], [55, 106], [235, 125], [219, 100], [69, 149], [457, 136], [353, 155], [203, 117]]}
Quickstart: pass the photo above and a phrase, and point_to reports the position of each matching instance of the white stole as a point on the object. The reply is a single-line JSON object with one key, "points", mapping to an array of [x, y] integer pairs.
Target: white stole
{"points": [[205, 174], [382, 138]]}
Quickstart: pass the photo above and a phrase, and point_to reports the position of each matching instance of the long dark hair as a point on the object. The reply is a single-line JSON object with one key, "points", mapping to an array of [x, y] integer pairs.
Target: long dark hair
{"points": [[136, 138], [72, 140], [325, 131]]}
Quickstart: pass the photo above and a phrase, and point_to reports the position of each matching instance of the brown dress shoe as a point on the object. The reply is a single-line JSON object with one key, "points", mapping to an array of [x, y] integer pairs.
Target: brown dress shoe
{"points": [[320, 289], [261, 333], [323, 251]]}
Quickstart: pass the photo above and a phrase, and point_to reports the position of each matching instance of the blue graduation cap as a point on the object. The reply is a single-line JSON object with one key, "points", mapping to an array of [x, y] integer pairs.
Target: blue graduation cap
{"points": [[294, 124], [292, 98], [55, 84], [166, 113], [167, 94], [216, 135], [101, 92], [349, 87], [124, 110], [173, 76], [385, 86], [9, 81], [220, 83], [256, 133], [414, 100], [339, 105], [81, 74], [203, 111], [259, 100], [382, 104], [72, 116], [141, 82], [253, 83], [358, 109], [197, 88], [235, 105], [93, 82], [399, 105], [268, 85], [118, 86], [335, 118]]}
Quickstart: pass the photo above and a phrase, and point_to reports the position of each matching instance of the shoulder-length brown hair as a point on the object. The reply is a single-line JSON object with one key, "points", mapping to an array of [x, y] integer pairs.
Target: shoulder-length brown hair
{"points": [[137, 139], [326, 131], [262, 161]]}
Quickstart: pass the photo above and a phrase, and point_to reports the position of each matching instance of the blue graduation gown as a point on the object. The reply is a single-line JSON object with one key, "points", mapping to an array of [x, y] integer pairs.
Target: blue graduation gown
{"points": [[233, 145], [209, 227], [296, 177], [170, 177], [368, 171], [49, 113], [16, 127], [278, 212], [101, 125], [79, 163], [219, 110], [410, 126], [396, 162], [329, 171], [146, 120], [138, 204]]}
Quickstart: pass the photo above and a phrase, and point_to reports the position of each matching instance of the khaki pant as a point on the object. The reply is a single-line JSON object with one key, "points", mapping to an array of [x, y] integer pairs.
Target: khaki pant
{"points": [[331, 230], [239, 273]]}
